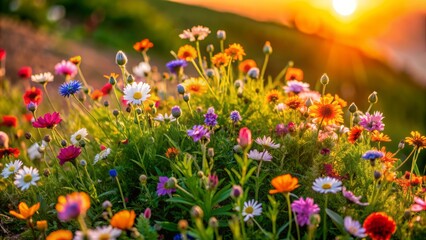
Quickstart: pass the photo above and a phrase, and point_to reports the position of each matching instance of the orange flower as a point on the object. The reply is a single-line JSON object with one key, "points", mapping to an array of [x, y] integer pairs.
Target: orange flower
{"points": [[284, 184], [187, 53], [96, 95], [388, 156], [416, 140], [235, 51], [340, 101], [72, 206], [379, 226], [42, 225], [172, 152], [355, 133], [123, 220], [25, 213], [111, 75], [143, 45], [76, 60], [220, 59], [246, 65], [379, 137], [294, 74], [273, 96], [327, 111], [294, 102], [60, 235], [195, 86]]}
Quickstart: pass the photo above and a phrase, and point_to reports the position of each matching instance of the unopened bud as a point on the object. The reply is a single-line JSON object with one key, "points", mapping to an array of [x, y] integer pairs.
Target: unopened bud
{"points": [[236, 191], [267, 49], [106, 204], [28, 135], [115, 112], [64, 143], [197, 212], [221, 35], [200, 174], [128, 109], [324, 79], [309, 102], [353, 108], [171, 183], [106, 103], [180, 89], [47, 138], [210, 48], [186, 97], [143, 178], [138, 111], [377, 175], [147, 213], [46, 172], [210, 73], [130, 79], [210, 152], [83, 163], [373, 98], [112, 81], [182, 225], [121, 58], [213, 223], [401, 144], [82, 143]]}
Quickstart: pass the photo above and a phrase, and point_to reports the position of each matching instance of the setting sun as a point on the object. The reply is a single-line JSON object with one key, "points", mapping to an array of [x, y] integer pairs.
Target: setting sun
{"points": [[345, 7]]}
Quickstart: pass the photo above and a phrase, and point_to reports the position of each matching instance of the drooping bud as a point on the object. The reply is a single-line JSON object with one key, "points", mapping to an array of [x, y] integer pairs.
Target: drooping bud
{"points": [[401, 144]]}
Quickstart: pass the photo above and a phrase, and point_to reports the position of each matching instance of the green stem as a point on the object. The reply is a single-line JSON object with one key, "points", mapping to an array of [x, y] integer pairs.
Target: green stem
{"points": [[200, 59], [121, 193], [257, 177], [324, 218], [82, 77], [287, 196], [408, 157], [202, 76], [265, 63], [48, 97]]}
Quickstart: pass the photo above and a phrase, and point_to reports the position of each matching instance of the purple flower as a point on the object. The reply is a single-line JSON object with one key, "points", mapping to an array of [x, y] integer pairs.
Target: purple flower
{"points": [[354, 227], [210, 118], [351, 197], [235, 116], [304, 209], [162, 187], [281, 129], [296, 87], [174, 66], [176, 111], [372, 155], [66, 68], [372, 122], [198, 132]]}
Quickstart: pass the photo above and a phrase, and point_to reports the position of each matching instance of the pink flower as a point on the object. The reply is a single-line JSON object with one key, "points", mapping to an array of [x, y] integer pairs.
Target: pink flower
{"points": [[68, 154], [66, 68], [350, 196], [419, 205], [244, 138], [47, 121]]}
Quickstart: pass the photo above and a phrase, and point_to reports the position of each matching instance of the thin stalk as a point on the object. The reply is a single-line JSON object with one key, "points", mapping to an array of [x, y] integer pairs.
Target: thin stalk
{"points": [[48, 97], [324, 218], [200, 59], [202, 76], [408, 157], [121, 193], [287, 197], [265, 63], [82, 77]]}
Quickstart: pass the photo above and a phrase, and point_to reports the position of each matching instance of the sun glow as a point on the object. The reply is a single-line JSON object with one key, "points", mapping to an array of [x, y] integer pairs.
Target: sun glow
{"points": [[345, 7]]}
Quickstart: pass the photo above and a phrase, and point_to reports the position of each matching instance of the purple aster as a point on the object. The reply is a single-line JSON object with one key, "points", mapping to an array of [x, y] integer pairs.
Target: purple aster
{"points": [[372, 122], [198, 132], [281, 129], [354, 227], [69, 88], [372, 155], [296, 87], [210, 118], [162, 188], [174, 66], [235, 116], [304, 209], [350, 196]]}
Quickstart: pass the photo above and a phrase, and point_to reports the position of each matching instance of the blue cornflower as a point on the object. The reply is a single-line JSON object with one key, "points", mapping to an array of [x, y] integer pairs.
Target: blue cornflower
{"points": [[235, 116], [69, 88], [175, 65], [113, 173], [210, 118], [179, 237], [372, 155]]}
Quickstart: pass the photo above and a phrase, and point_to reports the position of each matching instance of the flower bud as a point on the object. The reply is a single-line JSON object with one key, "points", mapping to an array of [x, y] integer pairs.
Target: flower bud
{"points": [[83, 163], [143, 178], [200, 174], [267, 49], [324, 79], [147, 213], [253, 73], [186, 97], [31, 107], [197, 212], [27, 136], [113, 173], [377, 175], [182, 225], [309, 102], [115, 112], [401, 144], [210, 152], [180, 89], [212, 182], [238, 83], [221, 35], [128, 109], [353, 108], [46, 172], [82, 143], [210, 73], [138, 111], [121, 58], [213, 223], [314, 220], [373, 98], [210, 48], [176, 111], [42, 225], [154, 110], [47, 138], [244, 138], [106, 204], [236, 191], [171, 183], [64, 143], [106, 103], [112, 81], [130, 79]]}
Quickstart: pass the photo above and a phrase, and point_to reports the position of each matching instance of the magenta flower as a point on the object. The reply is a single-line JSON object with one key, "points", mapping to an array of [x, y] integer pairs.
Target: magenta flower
{"points": [[47, 121], [372, 122], [296, 87], [68, 154], [351, 197], [419, 205], [163, 188], [66, 68], [304, 209], [198, 132]]}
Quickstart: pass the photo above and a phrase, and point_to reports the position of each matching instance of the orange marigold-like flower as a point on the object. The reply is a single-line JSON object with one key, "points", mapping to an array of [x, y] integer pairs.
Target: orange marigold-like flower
{"points": [[60, 235], [97, 95], [25, 212], [41, 225], [123, 220], [377, 136], [379, 226], [326, 111], [388, 156], [111, 75], [76, 60], [355, 133], [340, 101], [221, 59], [172, 152], [284, 184], [294, 74], [143, 45], [187, 53], [246, 65], [235, 51], [294, 102], [273, 96], [195, 86], [416, 140]]}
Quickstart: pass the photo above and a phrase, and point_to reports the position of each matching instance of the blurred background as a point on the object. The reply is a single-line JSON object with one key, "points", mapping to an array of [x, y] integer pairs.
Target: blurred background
{"points": [[363, 45]]}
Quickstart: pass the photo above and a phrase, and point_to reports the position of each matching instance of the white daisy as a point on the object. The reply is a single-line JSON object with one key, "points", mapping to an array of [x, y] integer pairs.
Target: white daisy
{"points": [[26, 177], [34, 151], [136, 93], [42, 77], [105, 232], [327, 185], [142, 69], [267, 142], [79, 135], [102, 155], [251, 209], [354, 227], [11, 168], [166, 118], [260, 156]]}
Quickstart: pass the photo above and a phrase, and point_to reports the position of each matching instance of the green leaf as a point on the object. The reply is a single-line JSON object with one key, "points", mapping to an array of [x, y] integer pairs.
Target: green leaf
{"points": [[168, 226], [337, 219]]}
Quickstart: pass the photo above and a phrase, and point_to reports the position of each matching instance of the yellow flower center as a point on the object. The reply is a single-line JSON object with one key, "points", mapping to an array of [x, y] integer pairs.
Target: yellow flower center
{"points": [[249, 210], [326, 186], [137, 95], [28, 178], [104, 236], [12, 168], [78, 137]]}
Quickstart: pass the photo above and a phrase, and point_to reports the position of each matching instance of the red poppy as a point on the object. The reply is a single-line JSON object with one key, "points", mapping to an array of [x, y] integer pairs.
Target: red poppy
{"points": [[9, 151], [9, 121], [106, 89], [25, 72], [379, 226], [2, 54], [33, 95]]}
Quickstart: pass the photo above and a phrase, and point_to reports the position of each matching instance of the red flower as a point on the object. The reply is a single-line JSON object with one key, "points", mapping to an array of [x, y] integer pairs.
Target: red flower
{"points": [[355, 133], [2, 54], [33, 95], [68, 154], [25, 72], [9, 151], [379, 226], [47, 121], [9, 121], [106, 89], [143, 45]]}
